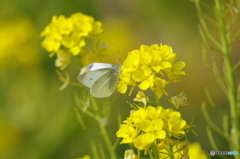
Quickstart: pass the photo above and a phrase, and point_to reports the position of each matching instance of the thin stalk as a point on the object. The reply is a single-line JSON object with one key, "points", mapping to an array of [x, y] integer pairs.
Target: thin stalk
{"points": [[211, 138], [226, 126], [209, 120], [171, 150], [204, 26], [229, 76], [94, 150], [157, 99], [103, 130], [156, 154]]}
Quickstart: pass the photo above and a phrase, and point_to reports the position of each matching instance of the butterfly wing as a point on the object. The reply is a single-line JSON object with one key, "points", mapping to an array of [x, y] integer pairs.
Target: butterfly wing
{"points": [[90, 77], [105, 85], [98, 66]]}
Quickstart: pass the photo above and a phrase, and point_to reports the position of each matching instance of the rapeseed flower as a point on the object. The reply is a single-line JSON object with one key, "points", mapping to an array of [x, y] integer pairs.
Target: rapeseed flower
{"points": [[150, 126], [151, 67], [175, 125], [128, 132], [66, 36]]}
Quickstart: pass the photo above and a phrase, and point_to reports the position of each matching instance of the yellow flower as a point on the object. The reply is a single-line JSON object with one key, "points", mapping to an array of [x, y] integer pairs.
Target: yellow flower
{"points": [[150, 67], [147, 126], [127, 132], [69, 34], [195, 151], [154, 113], [144, 141], [175, 125], [137, 116], [155, 127]]}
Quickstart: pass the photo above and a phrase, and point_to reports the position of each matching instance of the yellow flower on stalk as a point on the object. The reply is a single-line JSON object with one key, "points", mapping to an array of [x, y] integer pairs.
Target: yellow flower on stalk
{"points": [[155, 127], [150, 67], [150, 126], [69, 35], [175, 125], [136, 117], [70, 32], [127, 132], [144, 141], [195, 148]]}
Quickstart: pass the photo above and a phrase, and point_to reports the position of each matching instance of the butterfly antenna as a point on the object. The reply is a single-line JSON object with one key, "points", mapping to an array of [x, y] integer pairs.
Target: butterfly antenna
{"points": [[118, 58]]}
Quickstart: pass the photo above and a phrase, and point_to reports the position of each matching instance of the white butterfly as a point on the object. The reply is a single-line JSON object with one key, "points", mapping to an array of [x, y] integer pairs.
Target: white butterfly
{"points": [[101, 78]]}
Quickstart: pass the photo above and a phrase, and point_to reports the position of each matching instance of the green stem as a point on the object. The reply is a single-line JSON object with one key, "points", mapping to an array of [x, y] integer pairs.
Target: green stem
{"points": [[156, 153], [157, 99], [229, 76], [103, 130], [107, 140], [171, 150]]}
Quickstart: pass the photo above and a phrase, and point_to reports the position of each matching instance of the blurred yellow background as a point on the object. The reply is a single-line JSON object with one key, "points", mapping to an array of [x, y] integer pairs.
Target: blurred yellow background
{"points": [[39, 122]]}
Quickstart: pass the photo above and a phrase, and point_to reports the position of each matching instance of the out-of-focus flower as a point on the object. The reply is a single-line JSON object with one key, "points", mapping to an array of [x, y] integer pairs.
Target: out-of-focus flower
{"points": [[148, 126], [63, 59], [179, 100], [141, 97], [129, 154], [18, 43], [195, 151], [150, 67], [66, 36], [70, 32], [84, 157]]}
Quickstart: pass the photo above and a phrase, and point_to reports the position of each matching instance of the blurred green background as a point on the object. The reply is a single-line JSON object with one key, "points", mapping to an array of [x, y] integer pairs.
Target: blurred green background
{"points": [[39, 122]]}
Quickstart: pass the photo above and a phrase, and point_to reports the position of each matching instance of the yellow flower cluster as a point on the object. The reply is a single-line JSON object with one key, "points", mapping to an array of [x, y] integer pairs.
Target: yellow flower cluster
{"points": [[150, 126], [150, 67], [67, 36]]}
